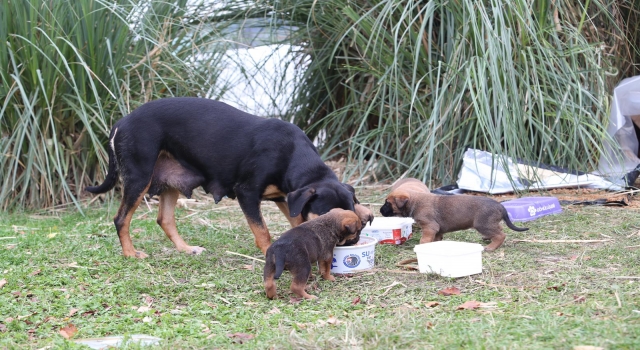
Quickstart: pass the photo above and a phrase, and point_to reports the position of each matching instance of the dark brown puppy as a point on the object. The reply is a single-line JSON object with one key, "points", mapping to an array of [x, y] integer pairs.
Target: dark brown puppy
{"points": [[439, 214], [173, 145], [303, 245]]}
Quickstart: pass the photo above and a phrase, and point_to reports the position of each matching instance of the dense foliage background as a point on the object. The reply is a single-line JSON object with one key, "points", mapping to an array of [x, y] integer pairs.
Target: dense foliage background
{"points": [[393, 87]]}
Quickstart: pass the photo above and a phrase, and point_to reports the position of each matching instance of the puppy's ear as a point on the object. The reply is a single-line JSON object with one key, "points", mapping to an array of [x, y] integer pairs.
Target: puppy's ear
{"points": [[401, 201], [298, 198], [351, 225]]}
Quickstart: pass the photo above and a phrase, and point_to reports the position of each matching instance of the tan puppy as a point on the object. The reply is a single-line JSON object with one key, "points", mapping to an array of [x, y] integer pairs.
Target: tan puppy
{"points": [[439, 214], [303, 245], [410, 184]]}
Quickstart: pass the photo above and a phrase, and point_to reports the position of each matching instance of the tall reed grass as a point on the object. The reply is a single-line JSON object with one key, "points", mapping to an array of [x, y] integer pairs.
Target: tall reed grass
{"points": [[404, 87], [69, 69]]}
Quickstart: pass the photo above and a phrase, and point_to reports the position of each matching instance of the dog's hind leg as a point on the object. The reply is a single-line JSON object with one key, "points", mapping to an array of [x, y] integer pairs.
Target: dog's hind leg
{"points": [[131, 198], [167, 220], [495, 234], [284, 208], [299, 282]]}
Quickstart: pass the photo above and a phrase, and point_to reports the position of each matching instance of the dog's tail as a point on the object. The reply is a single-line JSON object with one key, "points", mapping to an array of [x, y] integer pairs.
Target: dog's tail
{"points": [[279, 260], [505, 217], [112, 174]]}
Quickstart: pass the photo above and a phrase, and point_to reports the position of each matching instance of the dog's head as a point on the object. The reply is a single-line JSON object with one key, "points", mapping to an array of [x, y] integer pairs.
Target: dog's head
{"points": [[350, 223], [366, 216], [396, 204], [319, 198]]}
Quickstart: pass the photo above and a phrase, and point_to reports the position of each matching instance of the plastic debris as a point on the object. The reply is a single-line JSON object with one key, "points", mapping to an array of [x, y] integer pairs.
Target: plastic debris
{"points": [[116, 341]]}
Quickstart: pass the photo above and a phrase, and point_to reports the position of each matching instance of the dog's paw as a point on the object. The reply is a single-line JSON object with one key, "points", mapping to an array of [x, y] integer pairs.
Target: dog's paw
{"points": [[141, 255], [194, 250]]}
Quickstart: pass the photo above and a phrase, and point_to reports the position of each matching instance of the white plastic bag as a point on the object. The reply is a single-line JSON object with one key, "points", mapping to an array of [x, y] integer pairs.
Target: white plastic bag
{"points": [[484, 172], [625, 109]]}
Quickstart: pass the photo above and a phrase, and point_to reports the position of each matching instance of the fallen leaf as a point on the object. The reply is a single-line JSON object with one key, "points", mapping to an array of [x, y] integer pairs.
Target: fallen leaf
{"points": [[248, 267], [147, 319], [449, 291], [136, 230], [211, 305], [557, 288], [36, 272], [88, 313], [143, 309], [274, 311], [148, 300], [240, 337], [469, 305], [3, 282], [11, 246], [8, 320], [356, 301], [301, 325], [69, 331], [333, 320], [72, 312], [429, 325], [294, 300], [587, 347], [573, 257], [52, 234], [579, 298], [432, 304]]}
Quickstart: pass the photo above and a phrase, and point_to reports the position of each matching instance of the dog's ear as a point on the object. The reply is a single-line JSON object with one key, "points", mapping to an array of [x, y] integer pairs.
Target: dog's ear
{"points": [[298, 198], [401, 200], [350, 225]]}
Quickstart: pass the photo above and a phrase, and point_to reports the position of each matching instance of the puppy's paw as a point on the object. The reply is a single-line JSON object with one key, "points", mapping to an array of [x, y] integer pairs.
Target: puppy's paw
{"points": [[329, 278]]}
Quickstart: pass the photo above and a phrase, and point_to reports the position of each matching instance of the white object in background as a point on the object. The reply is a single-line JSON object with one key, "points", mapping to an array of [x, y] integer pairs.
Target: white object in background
{"points": [[625, 110], [389, 230], [449, 258], [355, 258], [485, 172]]}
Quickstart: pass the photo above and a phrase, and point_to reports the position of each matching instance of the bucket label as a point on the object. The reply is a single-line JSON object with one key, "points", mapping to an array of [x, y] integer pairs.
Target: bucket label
{"points": [[351, 261]]}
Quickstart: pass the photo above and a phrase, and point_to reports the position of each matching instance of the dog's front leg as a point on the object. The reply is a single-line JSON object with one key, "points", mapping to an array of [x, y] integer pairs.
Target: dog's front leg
{"points": [[429, 232], [325, 269], [284, 208], [250, 205]]}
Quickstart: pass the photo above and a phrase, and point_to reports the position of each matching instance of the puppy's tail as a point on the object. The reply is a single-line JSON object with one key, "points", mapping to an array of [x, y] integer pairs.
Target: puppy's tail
{"points": [[112, 173], [279, 259], [505, 217]]}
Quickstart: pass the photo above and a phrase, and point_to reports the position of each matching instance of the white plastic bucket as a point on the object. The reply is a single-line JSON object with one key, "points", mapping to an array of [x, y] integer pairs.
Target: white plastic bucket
{"points": [[449, 258], [354, 258]]}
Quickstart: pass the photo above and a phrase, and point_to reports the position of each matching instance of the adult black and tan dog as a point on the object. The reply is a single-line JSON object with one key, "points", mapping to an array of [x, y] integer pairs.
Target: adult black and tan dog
{"points": [[173, 145]]}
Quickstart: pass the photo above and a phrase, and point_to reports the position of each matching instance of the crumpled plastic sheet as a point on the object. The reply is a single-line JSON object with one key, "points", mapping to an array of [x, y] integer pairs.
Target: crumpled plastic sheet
{"points": [[625, 111], [495, 174]]}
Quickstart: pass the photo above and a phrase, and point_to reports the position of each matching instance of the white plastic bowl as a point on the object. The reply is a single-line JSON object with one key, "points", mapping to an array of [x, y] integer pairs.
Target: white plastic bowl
{"points": [[449, 258], [354, 258]]}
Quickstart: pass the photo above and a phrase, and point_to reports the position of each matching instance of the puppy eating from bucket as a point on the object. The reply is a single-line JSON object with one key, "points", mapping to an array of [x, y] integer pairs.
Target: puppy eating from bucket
{"points": [[312, 241], [439, 214]]}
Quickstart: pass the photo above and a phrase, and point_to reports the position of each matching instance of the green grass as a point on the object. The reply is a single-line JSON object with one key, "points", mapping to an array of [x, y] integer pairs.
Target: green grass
{"points": [[546, 295]]}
